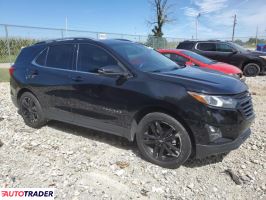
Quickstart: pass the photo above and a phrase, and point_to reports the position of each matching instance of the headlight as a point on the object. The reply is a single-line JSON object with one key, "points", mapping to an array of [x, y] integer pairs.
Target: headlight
{"points": [[212, 100], [264, 57]]}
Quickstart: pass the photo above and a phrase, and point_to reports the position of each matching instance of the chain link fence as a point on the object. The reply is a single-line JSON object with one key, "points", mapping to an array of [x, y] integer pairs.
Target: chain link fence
{"points": [[14, 37]]}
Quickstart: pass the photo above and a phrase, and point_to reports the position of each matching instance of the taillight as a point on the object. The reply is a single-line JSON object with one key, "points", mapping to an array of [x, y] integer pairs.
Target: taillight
{"points": [[11, 70]]}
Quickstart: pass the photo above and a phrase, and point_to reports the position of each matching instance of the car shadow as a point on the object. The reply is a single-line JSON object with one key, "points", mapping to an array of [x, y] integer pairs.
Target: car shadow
{"points": [[94, 135], [123, 143], [194, 162]]}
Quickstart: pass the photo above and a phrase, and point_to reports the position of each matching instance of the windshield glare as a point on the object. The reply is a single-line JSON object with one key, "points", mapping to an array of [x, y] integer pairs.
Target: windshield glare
{"points": [[198, 57], [144, 58]]}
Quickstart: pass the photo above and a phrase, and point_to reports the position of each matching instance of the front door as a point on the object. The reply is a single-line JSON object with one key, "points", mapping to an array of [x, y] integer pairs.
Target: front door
{"points": [[97, 100]]}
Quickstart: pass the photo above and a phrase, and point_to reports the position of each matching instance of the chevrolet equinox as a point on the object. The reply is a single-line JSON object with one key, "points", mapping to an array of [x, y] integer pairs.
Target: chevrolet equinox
{"points": [[130, 90]]}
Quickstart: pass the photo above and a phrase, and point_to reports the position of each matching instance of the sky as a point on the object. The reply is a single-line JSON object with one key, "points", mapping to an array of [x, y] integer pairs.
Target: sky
{"points": [[132, 16]]}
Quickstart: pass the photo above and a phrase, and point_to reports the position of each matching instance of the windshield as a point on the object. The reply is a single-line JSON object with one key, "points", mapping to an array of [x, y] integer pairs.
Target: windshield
{"points": [[198, 57], [238, 47], [144, 58]]}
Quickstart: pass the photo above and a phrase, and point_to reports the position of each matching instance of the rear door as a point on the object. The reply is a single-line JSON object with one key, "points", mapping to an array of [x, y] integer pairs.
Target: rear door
{"points": [[207, 49], [50, 77]]}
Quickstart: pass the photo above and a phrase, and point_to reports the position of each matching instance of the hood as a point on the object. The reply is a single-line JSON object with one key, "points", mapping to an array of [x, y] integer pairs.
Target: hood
{"points": [[226, 68], [254, 53], [203, 81], [257, 53]]}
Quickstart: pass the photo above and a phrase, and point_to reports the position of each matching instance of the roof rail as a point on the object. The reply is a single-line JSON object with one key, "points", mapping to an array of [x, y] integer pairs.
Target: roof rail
{"points": [[62, 39], [124, 40], [214, 40]]}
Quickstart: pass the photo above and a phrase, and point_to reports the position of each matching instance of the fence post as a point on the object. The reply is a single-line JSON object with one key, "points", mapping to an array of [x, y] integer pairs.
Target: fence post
{"points": [[8, 45], [62, 33]]}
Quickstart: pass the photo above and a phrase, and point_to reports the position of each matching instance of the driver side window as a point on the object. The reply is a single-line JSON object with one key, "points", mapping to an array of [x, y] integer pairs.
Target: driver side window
{"points": [[224, 48], [91, 58]]}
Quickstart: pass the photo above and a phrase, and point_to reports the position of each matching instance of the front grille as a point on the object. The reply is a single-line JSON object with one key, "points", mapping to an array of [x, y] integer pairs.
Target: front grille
{"points": [[245, 104]]}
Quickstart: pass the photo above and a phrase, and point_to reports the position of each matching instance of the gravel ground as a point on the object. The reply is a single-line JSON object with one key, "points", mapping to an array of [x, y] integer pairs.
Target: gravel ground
{"points": [[84, 164]]}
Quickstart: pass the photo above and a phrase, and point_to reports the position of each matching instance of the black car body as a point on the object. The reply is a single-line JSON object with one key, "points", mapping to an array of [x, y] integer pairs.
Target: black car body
{"points": [[121, 88], [250, 62]]}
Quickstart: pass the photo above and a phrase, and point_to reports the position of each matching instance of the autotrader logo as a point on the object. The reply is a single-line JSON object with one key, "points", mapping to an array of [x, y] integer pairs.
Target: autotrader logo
{"points": [[27, 193]]}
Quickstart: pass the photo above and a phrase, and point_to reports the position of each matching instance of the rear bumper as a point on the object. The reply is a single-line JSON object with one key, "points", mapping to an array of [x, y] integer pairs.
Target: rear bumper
{"points": [[212, 149]]}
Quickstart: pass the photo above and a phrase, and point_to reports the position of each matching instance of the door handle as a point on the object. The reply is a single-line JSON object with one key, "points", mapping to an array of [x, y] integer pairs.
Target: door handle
{"points": [[77, 79]]}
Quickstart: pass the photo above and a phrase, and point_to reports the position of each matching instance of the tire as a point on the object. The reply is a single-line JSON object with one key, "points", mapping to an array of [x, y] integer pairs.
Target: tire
{"points": [[31, 110], [251, 69], [163, 140]]}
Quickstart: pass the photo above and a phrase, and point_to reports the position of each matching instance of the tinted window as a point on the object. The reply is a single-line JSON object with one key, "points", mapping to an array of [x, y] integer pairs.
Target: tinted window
{"points": [[91, 58], [144, 58], [178, 59], [42, 57], [185, 45], [198, 57], [168, 55], [224, 47], [60, 56], [206, 46]]}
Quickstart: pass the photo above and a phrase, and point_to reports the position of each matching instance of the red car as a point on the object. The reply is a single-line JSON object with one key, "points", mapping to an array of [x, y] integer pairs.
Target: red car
{"points": [[189, 58]]}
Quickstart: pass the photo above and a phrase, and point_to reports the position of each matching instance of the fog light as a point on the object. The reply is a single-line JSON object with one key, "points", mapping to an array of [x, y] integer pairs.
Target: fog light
{"points": [[214, 132]]}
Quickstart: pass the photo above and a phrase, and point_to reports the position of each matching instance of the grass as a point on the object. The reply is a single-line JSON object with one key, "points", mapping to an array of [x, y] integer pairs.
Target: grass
{"points": [[4, 75]]}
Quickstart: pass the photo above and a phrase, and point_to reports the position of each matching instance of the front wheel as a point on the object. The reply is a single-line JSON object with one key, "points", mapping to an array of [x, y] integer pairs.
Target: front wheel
{"points": [[251, 69], [163, 140], [31, 110]]}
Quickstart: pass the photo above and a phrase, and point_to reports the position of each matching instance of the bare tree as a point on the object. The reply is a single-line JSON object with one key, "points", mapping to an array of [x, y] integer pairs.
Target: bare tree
{"points": [[162, 11]]}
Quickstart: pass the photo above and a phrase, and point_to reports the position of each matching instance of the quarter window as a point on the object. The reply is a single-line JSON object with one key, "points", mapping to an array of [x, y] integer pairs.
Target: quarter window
{"points": [[60, 56], [91, 58], [42, 58], [206, 46]]}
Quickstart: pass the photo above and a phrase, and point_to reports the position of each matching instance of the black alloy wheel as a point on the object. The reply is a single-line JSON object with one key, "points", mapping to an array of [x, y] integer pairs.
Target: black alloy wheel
{"points": [[163, 140], [31, 110], [251, 69]]}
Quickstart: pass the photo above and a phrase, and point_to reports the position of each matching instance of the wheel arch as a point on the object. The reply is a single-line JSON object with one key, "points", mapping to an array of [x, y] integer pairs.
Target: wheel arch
{"points": [[141, 113], [22, 91], [251, 61]]}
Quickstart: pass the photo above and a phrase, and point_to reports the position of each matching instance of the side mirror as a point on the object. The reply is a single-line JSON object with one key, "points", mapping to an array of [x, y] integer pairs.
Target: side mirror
{"points": [[111, 70]]}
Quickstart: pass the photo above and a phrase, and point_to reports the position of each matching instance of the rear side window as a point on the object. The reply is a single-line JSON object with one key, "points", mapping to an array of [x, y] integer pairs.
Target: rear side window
{"points": [[60, 56], [224, 48], [42, 58], [206, 46], [91, 58], [185, 45]]}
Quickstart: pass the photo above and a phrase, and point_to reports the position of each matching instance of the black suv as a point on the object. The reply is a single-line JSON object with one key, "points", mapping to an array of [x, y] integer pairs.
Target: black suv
{"points": [[250, 62], [127, 89]]}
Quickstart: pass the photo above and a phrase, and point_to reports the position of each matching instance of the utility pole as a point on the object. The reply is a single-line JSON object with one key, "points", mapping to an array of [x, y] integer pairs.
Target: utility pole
{"points": [[234, 26], [66, 25], [197, 19], [257, 30]]}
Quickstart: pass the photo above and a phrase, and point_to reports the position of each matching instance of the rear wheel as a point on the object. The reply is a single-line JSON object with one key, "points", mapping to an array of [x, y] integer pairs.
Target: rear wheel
{"points": [[162, 140], [251, 69], [31, 110]]}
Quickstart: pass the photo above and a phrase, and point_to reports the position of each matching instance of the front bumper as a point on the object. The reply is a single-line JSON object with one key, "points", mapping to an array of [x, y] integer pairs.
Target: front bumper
{"points": [[212, 149]]}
